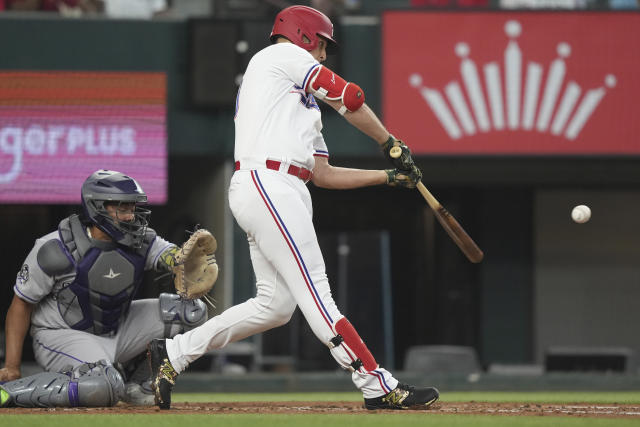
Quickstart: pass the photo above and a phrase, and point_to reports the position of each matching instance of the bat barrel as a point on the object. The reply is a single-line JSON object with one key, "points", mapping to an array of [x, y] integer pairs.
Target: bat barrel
{"points": [[452, 227]]}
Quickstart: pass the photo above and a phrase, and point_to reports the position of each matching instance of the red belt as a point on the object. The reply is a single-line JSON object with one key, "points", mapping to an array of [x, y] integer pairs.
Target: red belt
{"points": [[302, 173]]}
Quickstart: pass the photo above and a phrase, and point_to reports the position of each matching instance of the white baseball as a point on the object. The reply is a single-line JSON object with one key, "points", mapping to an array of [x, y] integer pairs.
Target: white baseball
{"points": [[581, 214]]}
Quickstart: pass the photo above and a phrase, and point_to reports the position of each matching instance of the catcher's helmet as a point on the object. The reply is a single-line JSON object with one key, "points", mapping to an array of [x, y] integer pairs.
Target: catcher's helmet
{"points": [[295, 22], [105, 186]]}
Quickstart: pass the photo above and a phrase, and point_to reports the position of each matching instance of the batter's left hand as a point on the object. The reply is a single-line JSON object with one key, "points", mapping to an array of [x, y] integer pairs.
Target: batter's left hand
{"points": [[401, 161]]}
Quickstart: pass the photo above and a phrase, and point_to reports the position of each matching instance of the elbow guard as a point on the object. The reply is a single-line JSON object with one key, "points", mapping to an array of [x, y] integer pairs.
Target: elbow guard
{"points": [[325, 84]]}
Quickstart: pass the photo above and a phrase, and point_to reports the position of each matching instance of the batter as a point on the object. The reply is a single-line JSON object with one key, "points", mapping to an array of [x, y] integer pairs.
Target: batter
{"points": [[279, 147]]}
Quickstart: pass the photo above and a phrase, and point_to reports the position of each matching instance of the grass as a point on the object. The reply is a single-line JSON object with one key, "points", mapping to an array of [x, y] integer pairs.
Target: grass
{"points": [[403, 419], [280, 420]]}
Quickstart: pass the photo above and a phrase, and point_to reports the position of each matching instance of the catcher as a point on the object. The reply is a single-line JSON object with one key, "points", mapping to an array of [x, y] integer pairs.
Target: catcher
{"points": [[75, 291]]}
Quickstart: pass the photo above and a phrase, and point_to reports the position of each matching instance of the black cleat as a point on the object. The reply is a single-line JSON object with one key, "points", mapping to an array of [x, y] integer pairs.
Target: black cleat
{"points": [[404, 397], [163, 376]]}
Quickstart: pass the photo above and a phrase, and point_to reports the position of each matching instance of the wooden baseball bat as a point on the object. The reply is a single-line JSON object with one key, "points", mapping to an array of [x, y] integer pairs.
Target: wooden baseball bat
{"points": [[448, 222], [452, 227]]}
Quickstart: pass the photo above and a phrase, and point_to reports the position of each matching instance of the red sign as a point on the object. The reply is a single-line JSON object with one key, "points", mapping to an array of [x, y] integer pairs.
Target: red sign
{"points": [[513, 83]]}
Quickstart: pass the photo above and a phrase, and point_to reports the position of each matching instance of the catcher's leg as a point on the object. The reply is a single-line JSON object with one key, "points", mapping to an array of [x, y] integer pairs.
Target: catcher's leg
{"points": [[148, 319], [137, 381], [156, 318], [89, 384], [58, 349], [183, 313]]}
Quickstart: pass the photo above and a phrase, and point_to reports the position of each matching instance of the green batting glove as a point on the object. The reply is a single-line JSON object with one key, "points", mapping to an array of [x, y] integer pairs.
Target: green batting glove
{"points": [[404, 178], [404, 161]]}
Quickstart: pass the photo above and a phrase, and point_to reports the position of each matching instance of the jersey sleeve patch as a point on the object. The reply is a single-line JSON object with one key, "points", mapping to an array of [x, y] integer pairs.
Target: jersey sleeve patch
{"points": [[32, 283]]}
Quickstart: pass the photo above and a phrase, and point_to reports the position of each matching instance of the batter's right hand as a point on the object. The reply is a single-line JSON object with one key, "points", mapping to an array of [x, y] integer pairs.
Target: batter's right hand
{"points": [[9, 374]]}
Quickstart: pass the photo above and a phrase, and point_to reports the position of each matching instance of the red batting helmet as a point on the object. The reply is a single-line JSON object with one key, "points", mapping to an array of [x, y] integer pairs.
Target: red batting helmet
{"points": [[294, 22]]}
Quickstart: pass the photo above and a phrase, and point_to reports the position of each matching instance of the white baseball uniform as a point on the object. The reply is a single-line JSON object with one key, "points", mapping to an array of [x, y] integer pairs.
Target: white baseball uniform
{"points": [[278, 133]]}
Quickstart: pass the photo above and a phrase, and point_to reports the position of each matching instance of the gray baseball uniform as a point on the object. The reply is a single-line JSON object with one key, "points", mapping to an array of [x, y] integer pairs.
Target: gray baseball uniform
{"points": [[83, 290]]}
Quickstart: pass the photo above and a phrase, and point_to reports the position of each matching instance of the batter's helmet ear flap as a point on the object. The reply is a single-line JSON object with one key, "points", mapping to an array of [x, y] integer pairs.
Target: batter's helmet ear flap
{"points": [[297, 22]]}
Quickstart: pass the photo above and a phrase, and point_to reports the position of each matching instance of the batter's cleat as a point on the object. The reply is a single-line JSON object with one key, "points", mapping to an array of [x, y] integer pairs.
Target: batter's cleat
{"points": [[404, 397], [163, 376]]}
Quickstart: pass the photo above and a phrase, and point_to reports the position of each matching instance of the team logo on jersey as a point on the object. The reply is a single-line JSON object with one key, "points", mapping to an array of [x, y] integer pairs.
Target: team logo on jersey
{"points": [[306, 99], [23, 274]]}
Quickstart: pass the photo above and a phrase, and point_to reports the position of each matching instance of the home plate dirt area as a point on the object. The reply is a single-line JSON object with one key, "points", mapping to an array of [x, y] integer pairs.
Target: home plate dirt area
{"points": [[476, 408]]}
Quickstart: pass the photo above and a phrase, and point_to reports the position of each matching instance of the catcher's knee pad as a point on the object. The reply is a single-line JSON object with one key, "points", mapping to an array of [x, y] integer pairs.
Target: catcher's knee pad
{"points": [[355, 354], [189, 313], [89, 384]]}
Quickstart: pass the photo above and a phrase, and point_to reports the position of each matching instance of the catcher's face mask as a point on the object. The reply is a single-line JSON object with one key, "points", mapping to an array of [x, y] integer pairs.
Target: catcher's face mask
{"points": [[128, 219]]}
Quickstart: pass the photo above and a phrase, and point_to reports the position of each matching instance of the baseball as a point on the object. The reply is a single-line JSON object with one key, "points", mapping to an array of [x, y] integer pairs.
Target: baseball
{"points": [[581, 214]]}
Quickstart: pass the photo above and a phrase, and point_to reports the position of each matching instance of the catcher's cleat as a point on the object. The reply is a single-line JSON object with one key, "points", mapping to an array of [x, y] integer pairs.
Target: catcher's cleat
{"points": [[139, 394], [5, 398], [404, 397], [163, 376]]}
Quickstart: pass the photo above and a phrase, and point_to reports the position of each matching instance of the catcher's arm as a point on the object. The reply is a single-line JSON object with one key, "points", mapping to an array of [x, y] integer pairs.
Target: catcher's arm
{"points": [[17, 325], [167, 259]]}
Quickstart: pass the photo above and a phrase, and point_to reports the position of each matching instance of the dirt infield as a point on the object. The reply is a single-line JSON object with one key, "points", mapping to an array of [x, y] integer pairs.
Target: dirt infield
{"points": [[476, 408]]}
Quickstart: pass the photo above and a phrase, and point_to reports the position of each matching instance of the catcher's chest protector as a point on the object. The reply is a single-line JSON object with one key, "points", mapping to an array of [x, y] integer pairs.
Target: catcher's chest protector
{"points": [[106, 278]]}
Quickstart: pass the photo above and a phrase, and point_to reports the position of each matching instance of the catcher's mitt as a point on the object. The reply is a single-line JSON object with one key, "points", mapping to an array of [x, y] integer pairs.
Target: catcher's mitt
{"points": [[195, 266]]}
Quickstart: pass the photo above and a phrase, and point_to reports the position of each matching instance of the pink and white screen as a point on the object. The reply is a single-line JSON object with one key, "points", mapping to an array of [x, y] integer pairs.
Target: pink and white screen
{"points": [[58, 127]]}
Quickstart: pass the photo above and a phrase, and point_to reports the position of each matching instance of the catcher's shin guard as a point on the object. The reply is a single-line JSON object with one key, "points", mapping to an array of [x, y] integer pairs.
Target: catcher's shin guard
{"points": [[163, 376], [355, 348], [89, 384]]}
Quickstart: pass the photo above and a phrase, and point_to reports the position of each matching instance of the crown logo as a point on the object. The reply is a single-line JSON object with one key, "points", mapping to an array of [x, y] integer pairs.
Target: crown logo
{"points": [[539, 106]]}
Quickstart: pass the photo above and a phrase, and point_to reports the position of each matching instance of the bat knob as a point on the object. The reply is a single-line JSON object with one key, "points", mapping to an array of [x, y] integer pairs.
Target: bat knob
{"points": [[395, 152]]}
